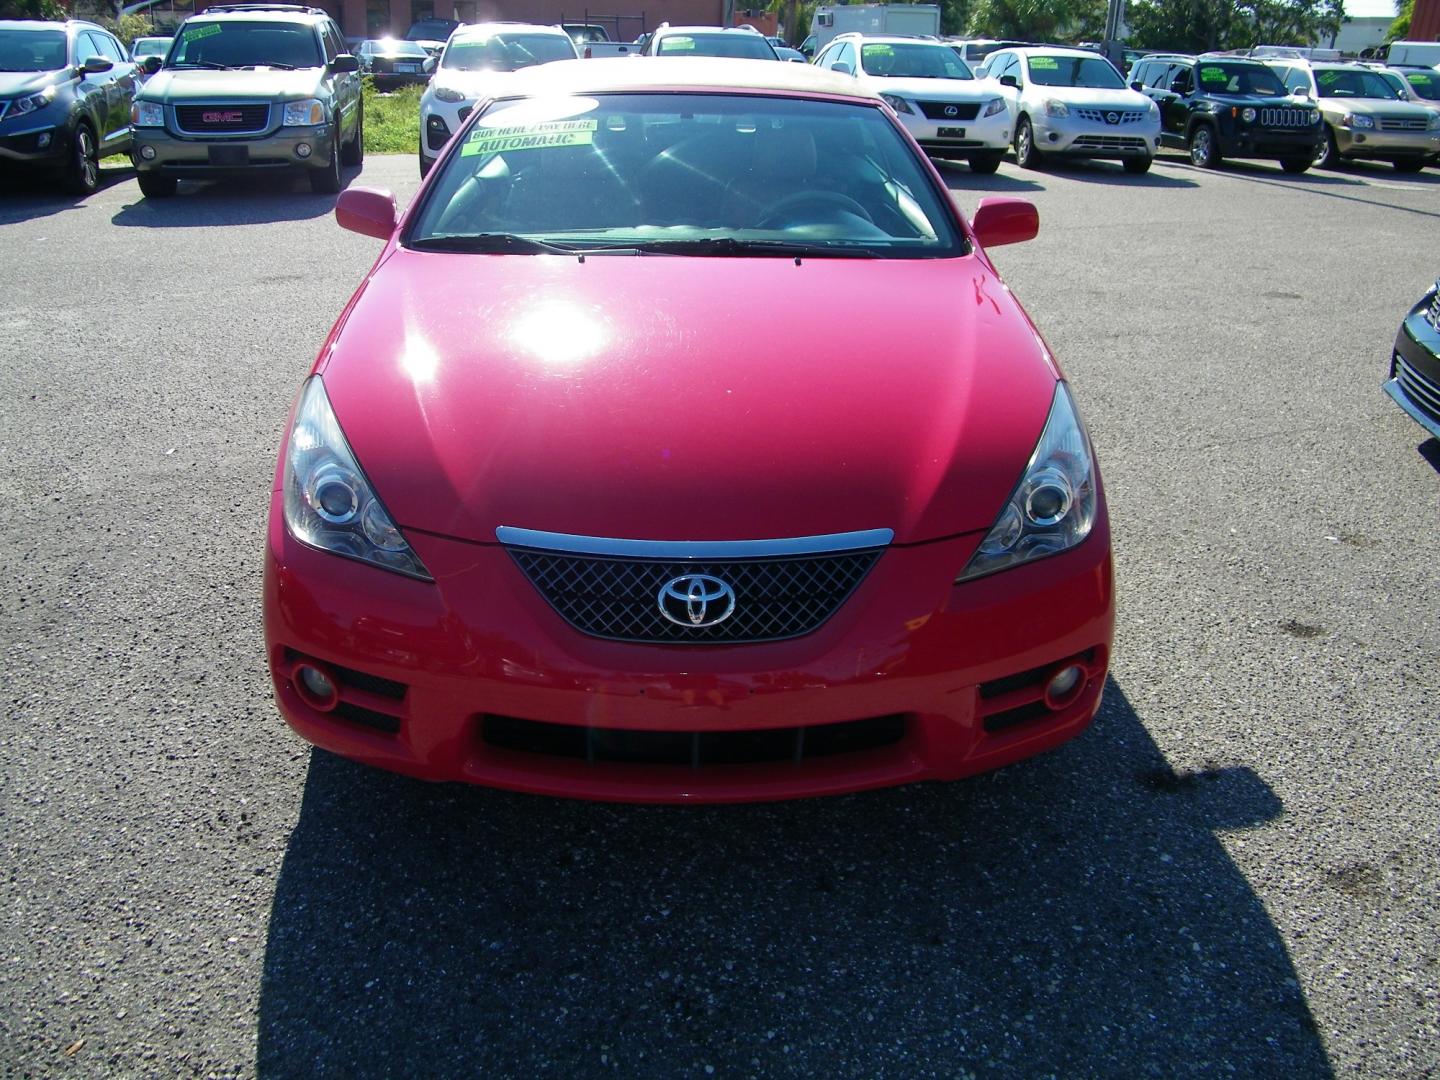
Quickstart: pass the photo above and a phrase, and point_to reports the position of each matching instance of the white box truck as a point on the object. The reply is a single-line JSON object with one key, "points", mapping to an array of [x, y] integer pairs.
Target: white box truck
{"points": [[1419, 53], [829, 20]]}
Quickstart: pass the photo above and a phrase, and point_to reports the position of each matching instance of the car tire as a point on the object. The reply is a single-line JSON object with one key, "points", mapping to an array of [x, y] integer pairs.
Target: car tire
{"points": [[327, 180], [1408, 165], [1138, 166], [1295, 166], [1027, 154], [82, 171], [354, 153], [155, 186], [985, 164], [425, 163], [1204, 147], [1328, 156]]}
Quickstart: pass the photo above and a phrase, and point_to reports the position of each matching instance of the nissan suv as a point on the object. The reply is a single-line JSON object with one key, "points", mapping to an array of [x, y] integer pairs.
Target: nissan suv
{"points": [[250, 87], [1228, 107], [65, 92]]}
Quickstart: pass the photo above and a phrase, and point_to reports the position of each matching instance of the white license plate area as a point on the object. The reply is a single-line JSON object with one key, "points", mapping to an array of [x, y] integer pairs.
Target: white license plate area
{"points": [[407, 69], [951, 133]]}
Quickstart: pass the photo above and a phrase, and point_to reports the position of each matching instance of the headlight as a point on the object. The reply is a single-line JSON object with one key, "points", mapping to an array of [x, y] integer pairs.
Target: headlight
{"points": [[993, 106], [1314, 116], [21, 106], [899, 104], [1153, 107], [1056, 108], [305, 113], [328, 502], [147, 114], [448, 95], [1053, 507], [1248, 115], [1355, 120], [1434, 121]]}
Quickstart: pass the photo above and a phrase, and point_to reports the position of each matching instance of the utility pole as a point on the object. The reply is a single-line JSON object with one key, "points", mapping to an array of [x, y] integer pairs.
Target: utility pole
{"points": [[1113, 47]]}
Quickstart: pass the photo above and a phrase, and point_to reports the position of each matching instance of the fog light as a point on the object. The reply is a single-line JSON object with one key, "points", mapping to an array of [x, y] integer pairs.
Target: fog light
{"points": [[316, 688], [302, 149], [1064, 686], [148, 153], [44, 140], [1054, 136]]}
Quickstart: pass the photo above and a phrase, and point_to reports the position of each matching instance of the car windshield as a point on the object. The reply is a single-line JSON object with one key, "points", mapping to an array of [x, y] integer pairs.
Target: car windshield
{"points": [[1426, 84], [152, 46], [506, 52], [1352, 83], [897, 61], [685, 174], [742, 45], [1091, 71], [32, 50], [391, 47], [245, 44], [1240, 79], [431, 30]]}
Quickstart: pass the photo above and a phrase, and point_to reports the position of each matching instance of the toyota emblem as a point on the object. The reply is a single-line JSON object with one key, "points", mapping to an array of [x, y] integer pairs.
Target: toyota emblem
{"points": [[696, 600], [951, 110]]}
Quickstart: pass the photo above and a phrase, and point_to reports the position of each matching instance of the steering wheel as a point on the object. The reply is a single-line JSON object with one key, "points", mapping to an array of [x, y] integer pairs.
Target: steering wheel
{"points": [[800, 198]]}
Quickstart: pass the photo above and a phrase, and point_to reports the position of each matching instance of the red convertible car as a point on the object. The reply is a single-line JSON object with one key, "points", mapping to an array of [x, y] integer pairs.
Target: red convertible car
{"points": [[559, 512]]}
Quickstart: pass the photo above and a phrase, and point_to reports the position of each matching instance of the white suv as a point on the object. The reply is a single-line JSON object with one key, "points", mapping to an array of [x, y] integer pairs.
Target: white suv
{"points": [[476, 63], [1073, 102], [935, 93]]}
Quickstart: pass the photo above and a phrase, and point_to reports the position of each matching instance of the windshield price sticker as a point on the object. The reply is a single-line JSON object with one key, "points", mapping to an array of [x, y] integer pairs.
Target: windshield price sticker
{"points": [[1328, 78], [878, 50], [678, 44], [1044, 63], [530, 137], [203, 32], [1213, 75]]}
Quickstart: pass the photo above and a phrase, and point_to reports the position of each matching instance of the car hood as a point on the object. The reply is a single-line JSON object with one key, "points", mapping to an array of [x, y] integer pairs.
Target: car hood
{"points": [[934, 89], [19, 83], [473, 84], [252, 84], [1088, 96], [1259, 101], [1376, 107], [662, 398]]}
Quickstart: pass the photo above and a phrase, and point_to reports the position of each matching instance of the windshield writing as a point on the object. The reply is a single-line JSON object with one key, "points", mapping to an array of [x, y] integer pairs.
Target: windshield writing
{"points": [[245, 44], [1090, 71]]}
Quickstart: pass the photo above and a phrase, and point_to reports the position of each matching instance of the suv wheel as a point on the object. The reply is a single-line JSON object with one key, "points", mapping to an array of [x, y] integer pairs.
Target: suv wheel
{"points": [[1027, 155], [326, 181], [985, 164], [1328, 156], [155, 186], [425, 163], [1408, 164], [82, 172], [355, 149], [1204, 151], [1138, 165], [1295, 165]]}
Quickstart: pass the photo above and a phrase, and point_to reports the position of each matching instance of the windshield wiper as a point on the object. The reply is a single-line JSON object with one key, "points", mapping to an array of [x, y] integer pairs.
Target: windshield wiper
{"points": [[783, 249], [211, 64], [266, 64], [489, 243]]}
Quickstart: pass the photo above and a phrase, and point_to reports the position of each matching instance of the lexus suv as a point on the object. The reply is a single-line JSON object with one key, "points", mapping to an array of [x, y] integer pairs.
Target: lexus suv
{"points": [[250, 87], [1228, 107], [1364, 116], [65, 93], [934, 92]]}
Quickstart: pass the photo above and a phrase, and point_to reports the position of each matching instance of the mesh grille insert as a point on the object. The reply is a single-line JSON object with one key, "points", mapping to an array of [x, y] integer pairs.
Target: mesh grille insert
{"points": [[619, 598]]}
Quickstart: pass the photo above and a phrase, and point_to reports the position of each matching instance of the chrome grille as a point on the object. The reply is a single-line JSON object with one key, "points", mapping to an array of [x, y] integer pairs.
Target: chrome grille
{"points": [[1109, 142], [1432, 313], [222, 119], [1418, 388], [1287, 118], [1109, 116], [619, 598], [1400, 123], [950, 110]]}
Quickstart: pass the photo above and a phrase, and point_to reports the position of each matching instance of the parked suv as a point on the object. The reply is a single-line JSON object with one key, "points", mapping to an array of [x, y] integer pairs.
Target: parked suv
{"points": [[1219, 107], [250, 86], [934, 92], [65, 93], [1364, 117]]}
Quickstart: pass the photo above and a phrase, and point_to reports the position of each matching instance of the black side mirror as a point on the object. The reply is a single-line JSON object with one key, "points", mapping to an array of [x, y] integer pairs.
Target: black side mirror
{"points": [[1179, 86], [1010, 81], [1137, 86], [150, 64], [345, 62], [95, 65]]}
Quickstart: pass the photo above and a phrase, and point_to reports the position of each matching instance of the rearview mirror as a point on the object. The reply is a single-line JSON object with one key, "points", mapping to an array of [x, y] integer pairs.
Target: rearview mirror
{"points": [[1003, 220], [345, 62], [1010, 81], [96, 65], [368, 211]]}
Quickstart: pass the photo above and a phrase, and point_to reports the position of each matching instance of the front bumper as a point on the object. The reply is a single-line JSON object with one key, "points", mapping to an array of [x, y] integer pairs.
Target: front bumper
{"points": [[1256, 142], [39, 145], [222, 155], [1414, 382], [1386, 145], [983, 134], [439, 120], [1072, 136], [956, 673]]}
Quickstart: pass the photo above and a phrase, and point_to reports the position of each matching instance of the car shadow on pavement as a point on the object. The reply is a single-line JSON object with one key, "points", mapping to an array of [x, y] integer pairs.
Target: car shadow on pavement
{"points": [[1091, 171], [26, 196], [249, 200], [958, 177], [1072, 915], [1430, 451]]}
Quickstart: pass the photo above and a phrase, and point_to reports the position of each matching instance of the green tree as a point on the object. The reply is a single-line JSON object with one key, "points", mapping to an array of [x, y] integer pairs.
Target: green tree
{"points": [[1200, 25], [1400, 28], [31, 9], [1038, 20]]}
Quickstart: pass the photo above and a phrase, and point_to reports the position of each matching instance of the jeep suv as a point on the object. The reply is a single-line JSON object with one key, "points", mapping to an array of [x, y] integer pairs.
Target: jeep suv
{"points": [[246, 87], [65, 92], [1217, 107]]}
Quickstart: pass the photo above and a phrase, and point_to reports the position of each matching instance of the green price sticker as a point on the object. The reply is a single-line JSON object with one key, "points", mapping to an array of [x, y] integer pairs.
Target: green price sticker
{"points": [[529, 137], [1044, 63], [1213, 75], [1418, 79], [1328, 78], [878, 50], [677, 44], [203, 32]]}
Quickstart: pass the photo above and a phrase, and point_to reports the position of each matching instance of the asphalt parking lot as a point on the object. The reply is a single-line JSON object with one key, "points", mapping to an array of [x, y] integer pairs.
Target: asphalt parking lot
{"points": [[1233, 872]]}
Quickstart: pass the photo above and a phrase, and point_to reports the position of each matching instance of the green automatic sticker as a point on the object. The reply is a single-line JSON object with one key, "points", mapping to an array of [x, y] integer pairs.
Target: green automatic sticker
{"points": [[1044, 63], [1214, 75], [678, 44], [202, 32], [529, 137], [1418, 79], [1328, 78], [878, 50]]}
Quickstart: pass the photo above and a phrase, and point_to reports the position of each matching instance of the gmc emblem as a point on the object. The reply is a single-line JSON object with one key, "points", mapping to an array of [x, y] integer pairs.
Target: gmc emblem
{"points": [[232, 116]]}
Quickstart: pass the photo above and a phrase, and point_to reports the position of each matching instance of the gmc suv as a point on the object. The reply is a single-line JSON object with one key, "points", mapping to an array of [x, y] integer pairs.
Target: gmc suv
{"points": [[1226, 106], [250, 86]]}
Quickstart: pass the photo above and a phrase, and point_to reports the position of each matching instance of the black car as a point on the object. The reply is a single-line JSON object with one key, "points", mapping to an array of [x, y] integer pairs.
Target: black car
{"points": [[1414, 380], [65, 94], [393, 63], [1216, 107]]}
